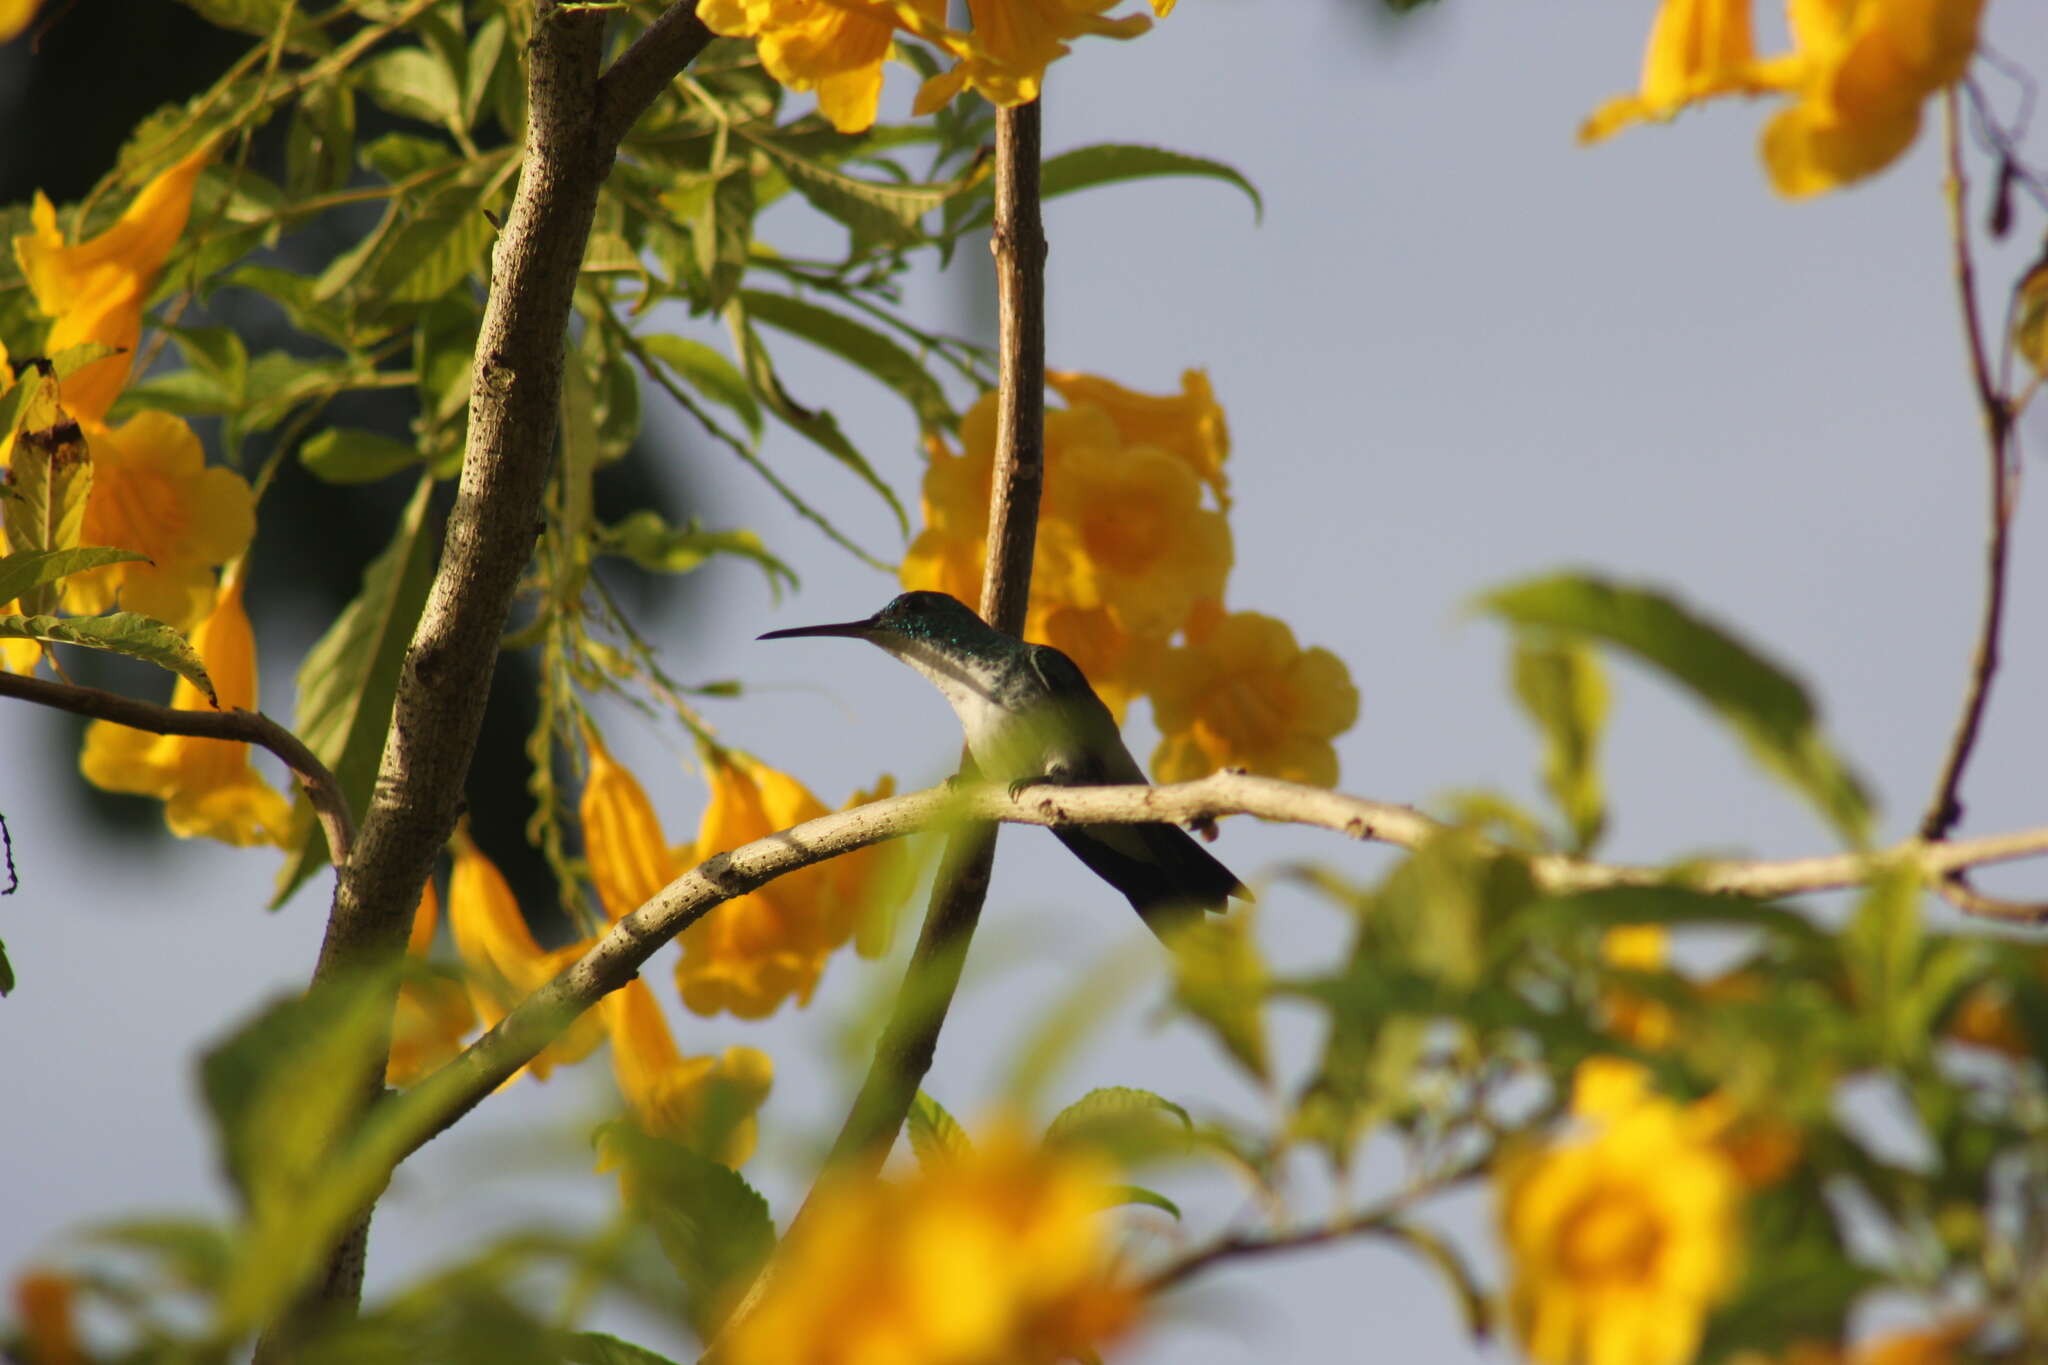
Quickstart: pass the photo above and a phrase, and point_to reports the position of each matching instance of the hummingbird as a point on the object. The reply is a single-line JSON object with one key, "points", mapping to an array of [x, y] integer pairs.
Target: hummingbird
{"points": [[1030, 715]]}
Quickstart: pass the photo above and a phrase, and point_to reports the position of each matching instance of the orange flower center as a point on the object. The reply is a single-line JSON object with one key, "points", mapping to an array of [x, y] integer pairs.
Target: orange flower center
{"points": [[1128, 536], [1610, 1236], [140, 510], [1253, 712]]}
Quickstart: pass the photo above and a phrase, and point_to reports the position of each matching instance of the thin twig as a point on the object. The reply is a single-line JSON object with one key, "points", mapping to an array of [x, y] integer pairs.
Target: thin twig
{"points": [[1946, 809], [242, 727]]}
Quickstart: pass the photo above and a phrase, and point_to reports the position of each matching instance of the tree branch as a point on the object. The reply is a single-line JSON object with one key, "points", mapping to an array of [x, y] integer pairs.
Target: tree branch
{"points": [[243, 727], [1945, 809], [573, 126]]}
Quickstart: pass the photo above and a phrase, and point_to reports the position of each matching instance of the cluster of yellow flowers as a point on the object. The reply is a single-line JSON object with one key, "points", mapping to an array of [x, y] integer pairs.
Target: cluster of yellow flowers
{"points": [[838, 47], [992, 1256], [1129, 556], [1857, 75], [152, 492]]}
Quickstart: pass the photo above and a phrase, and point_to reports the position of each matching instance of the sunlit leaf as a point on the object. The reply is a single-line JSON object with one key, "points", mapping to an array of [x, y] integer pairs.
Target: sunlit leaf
{"points": [[1219, 979], [935, 1135], [707, 371], [857, 344], [123, 632], [711, 1224], [347, 455], [654, 545], [31, 569], [1565, 693]]}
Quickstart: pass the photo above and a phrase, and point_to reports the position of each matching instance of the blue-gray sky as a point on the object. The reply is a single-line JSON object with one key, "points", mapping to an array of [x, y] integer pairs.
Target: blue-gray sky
{"points": [[1460, 349]]}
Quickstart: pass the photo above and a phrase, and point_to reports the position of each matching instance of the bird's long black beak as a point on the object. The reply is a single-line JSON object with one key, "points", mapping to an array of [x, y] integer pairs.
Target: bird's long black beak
{"points": [[855, 630]]}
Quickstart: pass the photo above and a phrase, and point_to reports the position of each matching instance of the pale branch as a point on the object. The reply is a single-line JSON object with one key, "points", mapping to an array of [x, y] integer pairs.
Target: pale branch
{"points": [[1945, 809], [573, 127], [330, 806], [615, 958]]}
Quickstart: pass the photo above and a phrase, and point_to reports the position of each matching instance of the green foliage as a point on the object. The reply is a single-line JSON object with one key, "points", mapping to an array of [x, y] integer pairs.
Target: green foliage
{"points": [[122, 632], [1762, 702], [1565, 693], [713, 1227], [22, 573], [935, 1135]]}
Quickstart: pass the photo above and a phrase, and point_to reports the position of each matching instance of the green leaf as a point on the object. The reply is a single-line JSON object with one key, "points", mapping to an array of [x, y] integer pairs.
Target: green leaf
{"points": [[654, 545], [350, 676], [935, 1135], [814, 425], [1108, 163], [31, 569], [190, 393], [49, 482], [123, 632], [1881, 946], [480, 64], [414, 83], [1763, 703], [433, 253], [1118, 1116], [260, 17], [191, 1253], [1138, 1194], [401, 156], [1219, 979], [724, 235], [598, 1348], [707, 371], [712, 1225], [346, 455], [1563, 690], [320, 141], [861, 346], [873, 210]]}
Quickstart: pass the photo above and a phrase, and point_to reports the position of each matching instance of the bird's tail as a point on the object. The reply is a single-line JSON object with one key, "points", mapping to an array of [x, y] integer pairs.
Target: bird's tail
{"points": [[1164, 871]]}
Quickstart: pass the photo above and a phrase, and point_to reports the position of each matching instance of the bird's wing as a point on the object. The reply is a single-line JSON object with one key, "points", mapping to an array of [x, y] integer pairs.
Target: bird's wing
{"points": [[1085, 745]]}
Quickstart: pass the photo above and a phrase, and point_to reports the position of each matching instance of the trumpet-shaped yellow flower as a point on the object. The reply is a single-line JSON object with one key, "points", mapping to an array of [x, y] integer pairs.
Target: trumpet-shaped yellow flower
{"points": [[1761, 1149], [1620, 1243], [433, 1014], [629, 858], [997, 1256], [1698, 49], [704, 1103], [1188, 425], [1245, 695], [757, 950], [154, 493], [15, 16], [206, 785], [1015, 40], [96, 289], [836, 47], [504, 963]]}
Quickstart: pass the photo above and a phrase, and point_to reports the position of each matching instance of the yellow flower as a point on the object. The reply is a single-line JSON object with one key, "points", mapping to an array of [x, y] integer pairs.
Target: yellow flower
{"points": [[206, 785], [1246, 695], [433, 1014], [154, 493], [1621, 1242], [1638, 1019], [704, 1103], [1762, 1150], [15, 16], [96, 289], [17, 656], [1929, 1346], [757, 950], [1698, 49], [504, 963], [836, 47], [1189, 425], [629, 859], [1015, 40], [996, 1256]]}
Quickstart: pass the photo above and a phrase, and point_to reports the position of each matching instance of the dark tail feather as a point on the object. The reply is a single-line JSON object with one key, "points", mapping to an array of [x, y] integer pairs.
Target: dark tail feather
{"points": [[1165, 873]]}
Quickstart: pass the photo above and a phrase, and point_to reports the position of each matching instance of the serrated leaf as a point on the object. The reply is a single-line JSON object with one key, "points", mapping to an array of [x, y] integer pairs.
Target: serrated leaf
{"points": [[1109, 163], [654, 545], [414, 83], [347, 455], [123, 632], [858, 345], [873, 210], [936, 1136], [599, 1348], [712, 1225], [707, 371], [31, 569], [1112, 1113], [350, 676], [49, 482], [816, 426], [1562, 688], [1762, 702]]}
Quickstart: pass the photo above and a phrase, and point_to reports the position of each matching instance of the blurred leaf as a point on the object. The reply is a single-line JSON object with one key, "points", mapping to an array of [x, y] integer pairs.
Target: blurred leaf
{"points": [[260, 17], [1138, 1194], [1220, 981], [350, 676], [2030, 318], [895, 368], [347, 455], [1881, 947], [31, 569], [709, 373], [480, 65], [935, 1135], [320, 141], [6, 972], [711, 1224], [1109, 163], [414, 83], [654, 545], [399, 157], [191, 1253], [1133, 1125], [1763, 703], [1474, 1303], [123, 632], [1565, 693], [596, 1348]]}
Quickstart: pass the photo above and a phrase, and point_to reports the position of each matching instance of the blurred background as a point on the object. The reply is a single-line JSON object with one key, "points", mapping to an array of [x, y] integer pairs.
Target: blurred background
{"points": [[1459, 349]]}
